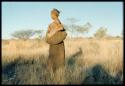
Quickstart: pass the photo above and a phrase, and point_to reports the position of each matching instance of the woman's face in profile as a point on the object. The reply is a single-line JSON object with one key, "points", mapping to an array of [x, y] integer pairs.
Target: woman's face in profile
{"points": [[54, 16]]}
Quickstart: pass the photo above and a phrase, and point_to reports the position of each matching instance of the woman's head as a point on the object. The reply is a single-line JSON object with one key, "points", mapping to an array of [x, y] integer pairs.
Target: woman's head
{"points": [[54, 13]]}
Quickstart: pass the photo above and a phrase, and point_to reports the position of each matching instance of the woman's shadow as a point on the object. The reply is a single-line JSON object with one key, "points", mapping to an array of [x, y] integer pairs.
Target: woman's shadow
{"points": [[98, 75]]}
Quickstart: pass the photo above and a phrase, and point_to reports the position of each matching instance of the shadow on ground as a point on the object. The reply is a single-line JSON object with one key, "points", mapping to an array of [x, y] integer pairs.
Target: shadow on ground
{"points": [[98, 75], [22, 71]]}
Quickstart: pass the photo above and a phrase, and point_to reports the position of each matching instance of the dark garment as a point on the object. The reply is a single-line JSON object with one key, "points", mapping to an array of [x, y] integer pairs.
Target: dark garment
{"points": [[57, 55], [56, 50]]}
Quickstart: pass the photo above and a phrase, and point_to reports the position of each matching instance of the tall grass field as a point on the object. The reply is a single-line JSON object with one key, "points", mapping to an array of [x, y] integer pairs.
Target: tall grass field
{"points": [[88, 61]]}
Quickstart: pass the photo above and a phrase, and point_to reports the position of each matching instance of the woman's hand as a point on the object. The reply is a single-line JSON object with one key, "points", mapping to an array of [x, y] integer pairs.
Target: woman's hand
{"points": [[59, 26]]}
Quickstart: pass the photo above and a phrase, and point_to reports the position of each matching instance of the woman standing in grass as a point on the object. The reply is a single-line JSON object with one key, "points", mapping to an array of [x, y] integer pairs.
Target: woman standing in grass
{"points": [[55, 36]]}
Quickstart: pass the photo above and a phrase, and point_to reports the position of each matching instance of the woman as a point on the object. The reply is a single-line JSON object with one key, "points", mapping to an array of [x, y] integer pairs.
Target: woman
{"points": [[55, 36]]}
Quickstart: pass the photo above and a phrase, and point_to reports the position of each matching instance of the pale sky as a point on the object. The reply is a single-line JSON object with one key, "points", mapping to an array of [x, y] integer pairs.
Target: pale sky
{"points": [[36, 15]]}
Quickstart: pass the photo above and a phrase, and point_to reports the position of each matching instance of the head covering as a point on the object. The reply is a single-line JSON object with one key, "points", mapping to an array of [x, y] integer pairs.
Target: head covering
{"points": [[55, 11]]}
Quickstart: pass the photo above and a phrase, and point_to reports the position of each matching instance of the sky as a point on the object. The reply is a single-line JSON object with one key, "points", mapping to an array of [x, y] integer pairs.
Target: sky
{"points": [[36, 15]]}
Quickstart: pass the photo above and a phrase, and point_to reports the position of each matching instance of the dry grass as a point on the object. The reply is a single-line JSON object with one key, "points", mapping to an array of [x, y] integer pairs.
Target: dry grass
{"points": [[88, 61]]}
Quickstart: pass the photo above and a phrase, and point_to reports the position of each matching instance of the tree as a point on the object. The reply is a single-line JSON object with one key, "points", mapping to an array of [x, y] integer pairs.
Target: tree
{"points": [[84, 29], [72, 20], [72, 26], [23, 34], [39, 33], [118, 36], [101, 32], [76, 29], [87, 26]]}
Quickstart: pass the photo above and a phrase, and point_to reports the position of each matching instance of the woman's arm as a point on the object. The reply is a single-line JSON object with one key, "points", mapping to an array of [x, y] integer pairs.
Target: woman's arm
{"points": [[59, 26], [48, 31]]}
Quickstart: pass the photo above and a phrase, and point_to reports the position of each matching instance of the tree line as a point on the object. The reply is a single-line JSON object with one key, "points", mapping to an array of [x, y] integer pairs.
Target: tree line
{"points": [[73, 28]]}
